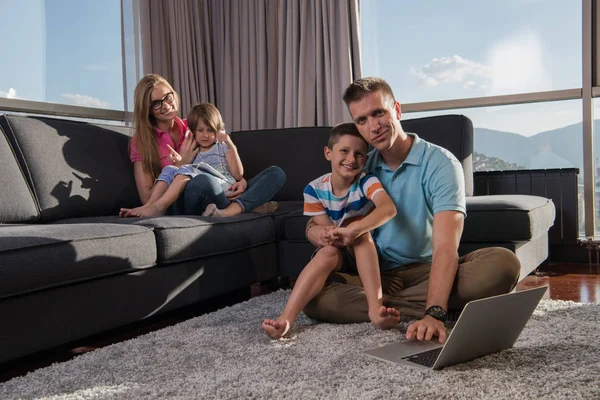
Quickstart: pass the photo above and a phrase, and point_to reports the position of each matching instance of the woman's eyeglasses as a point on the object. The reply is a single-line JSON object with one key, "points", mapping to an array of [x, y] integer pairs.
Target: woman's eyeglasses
{"points": [[157, 104]]}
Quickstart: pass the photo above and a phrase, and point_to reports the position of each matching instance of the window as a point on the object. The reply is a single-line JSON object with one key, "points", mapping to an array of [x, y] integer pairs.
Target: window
{"points": [[525, 136], [65, 52], [441, 50]]}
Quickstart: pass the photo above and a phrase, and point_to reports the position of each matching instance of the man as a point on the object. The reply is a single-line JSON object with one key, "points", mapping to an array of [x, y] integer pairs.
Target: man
{"points": [[421, 274]]}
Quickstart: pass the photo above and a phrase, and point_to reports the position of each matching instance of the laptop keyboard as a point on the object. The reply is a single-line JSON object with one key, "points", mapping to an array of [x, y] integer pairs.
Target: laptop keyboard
{"points": [[426, 358]]}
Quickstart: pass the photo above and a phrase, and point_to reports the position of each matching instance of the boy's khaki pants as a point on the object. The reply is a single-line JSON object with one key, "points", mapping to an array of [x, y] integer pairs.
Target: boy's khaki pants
{"points": [[481, 273]]}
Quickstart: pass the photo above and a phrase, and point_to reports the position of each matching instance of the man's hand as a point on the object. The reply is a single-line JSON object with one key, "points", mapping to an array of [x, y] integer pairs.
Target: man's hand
{"points": [[236, 189], [426, 328]]}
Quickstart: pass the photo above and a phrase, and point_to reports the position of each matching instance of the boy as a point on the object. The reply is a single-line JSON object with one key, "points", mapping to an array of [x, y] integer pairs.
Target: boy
{"points": [[350, 204]]}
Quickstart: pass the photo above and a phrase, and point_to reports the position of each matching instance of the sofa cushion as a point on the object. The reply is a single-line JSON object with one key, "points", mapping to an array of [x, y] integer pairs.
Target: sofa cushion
{"points": [[298, 151], [18, 204], [182, 238], [507, 218], [73, 168], [34, 257], [503, 218]]}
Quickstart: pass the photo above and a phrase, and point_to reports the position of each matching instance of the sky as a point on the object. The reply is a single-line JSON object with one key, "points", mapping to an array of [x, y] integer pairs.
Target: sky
{"points": [[69, 52]]}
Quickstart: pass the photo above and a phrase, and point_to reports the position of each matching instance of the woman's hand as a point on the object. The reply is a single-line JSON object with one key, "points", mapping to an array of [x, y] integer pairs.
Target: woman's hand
{"points": [[188, 151], [173, 156], [236, 189]]}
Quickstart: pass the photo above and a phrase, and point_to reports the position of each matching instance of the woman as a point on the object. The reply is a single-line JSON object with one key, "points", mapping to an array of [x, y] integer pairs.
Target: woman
{"points": [[160, 139]]}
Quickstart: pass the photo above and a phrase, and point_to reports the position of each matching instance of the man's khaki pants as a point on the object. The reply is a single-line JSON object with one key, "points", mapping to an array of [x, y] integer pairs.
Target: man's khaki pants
{"points": [[481, 273]]}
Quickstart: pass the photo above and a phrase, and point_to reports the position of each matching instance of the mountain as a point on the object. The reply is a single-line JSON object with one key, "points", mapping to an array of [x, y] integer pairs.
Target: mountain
{"points": [[557, 148]]}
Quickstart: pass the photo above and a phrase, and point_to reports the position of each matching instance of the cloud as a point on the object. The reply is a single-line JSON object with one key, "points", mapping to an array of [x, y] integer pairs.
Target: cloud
{"points": [[85, 101], [517, 65], [514, 65], [11, 94], [452, 70]]}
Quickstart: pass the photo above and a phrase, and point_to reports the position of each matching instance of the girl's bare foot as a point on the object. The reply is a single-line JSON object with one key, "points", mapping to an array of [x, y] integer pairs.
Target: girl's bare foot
{"points": [[276, 328], [212, 211], [385, 318], [147, 210], [268, 207]]}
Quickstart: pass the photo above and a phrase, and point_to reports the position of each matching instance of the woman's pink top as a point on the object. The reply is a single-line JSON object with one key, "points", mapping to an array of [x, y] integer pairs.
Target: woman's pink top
{"points": [[163, 139]]}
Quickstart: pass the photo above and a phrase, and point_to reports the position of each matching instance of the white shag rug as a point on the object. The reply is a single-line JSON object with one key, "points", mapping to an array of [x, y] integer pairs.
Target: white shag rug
{"points": [[226, 355]]}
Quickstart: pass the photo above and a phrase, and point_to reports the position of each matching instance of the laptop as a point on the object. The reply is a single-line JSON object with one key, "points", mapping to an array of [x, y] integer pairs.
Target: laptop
{"points": [[485, 326]]}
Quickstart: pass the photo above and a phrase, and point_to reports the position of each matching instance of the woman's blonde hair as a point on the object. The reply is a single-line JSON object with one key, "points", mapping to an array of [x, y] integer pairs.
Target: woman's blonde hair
{"points": [[144, 123], [207, 113]]}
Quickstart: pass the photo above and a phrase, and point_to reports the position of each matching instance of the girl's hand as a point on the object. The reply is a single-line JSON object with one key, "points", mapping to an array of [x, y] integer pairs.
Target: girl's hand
{"points": [[236, 189], [189, 149], [223, 137]]}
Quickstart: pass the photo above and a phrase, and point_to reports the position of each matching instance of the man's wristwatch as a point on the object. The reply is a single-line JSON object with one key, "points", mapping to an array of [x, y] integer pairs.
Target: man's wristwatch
{"points": [[438, 313]]}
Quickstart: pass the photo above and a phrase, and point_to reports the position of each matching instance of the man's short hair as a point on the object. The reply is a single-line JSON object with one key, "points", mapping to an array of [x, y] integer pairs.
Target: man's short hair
{"points": [[343, 129], [364, 86]]}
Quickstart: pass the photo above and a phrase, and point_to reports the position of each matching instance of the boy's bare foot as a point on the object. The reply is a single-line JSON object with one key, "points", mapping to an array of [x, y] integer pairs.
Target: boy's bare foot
{"points": [[276, 328], [386, 318], [212, 211], [147, 210], [268, 207]]}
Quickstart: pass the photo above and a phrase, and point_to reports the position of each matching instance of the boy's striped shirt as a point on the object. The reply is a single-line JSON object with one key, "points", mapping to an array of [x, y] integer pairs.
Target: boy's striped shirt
{"points": [[354, 205]]}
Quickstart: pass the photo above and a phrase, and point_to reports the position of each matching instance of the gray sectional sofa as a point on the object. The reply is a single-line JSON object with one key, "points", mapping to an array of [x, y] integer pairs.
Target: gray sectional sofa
{"points": [[70, 267]]}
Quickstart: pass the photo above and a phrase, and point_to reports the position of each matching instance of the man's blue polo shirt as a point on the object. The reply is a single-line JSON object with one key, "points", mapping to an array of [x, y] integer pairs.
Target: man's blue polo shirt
{"points": [[430, 180]]}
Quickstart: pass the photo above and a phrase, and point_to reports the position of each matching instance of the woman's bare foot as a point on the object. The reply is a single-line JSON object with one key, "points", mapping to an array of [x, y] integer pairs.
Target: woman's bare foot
{"points": [[276, 328], [147, 210], [385, 318], [212, 211], [268, 207]]}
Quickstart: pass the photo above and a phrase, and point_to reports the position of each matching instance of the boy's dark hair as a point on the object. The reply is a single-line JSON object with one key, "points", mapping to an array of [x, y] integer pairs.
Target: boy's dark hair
{"points": [[364, 86], [345, 128]]}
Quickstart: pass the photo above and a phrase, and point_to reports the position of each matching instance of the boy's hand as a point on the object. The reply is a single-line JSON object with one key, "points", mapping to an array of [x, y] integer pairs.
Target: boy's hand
{"points": [[223, 137], [344, 237], [326, 237]]}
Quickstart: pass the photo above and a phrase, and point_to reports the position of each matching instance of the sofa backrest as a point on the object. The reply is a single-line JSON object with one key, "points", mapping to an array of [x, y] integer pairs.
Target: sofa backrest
{"points": [[452, 132], [299, 151], [16, 198], [73, 168]]}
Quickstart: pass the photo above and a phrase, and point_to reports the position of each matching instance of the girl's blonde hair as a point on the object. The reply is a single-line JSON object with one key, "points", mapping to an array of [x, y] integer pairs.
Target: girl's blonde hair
{"points": [[144, 123], [207, 113]]}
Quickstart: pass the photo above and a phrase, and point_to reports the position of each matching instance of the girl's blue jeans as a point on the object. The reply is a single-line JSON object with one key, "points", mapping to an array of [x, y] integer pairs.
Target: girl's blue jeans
{"points": [[203, 190]]}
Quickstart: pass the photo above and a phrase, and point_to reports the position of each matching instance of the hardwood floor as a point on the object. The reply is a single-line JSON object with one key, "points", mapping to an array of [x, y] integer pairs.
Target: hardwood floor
{"points": [[574, 282]]}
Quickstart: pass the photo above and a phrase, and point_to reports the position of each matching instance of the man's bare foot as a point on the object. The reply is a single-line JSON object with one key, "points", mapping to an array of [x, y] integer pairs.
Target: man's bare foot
{"points": [[147, 210], [268, 207], [212, 211], [385, 318], [276, 328]]}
